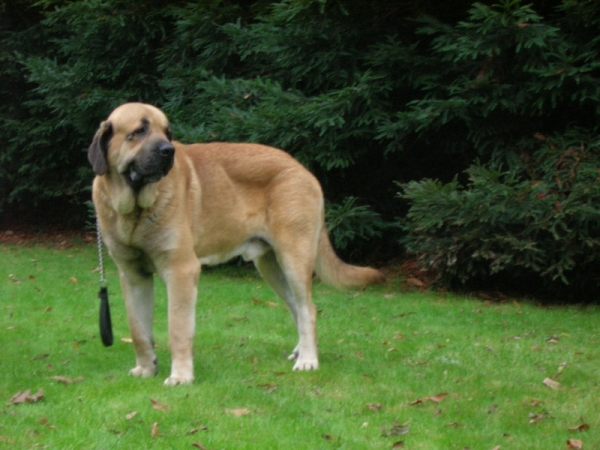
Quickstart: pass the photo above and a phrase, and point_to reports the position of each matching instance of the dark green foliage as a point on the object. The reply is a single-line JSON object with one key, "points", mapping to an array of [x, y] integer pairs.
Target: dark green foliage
{"points": [[364, 93], [79, 62], [531, 205], [542, 217]]}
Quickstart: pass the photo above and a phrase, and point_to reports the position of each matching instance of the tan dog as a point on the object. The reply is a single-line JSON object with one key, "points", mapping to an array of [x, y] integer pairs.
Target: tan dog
{"points": [[166, 208]]}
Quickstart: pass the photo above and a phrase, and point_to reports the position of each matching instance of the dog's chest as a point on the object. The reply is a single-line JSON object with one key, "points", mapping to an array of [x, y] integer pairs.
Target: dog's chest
{"points": [[142, 230]]}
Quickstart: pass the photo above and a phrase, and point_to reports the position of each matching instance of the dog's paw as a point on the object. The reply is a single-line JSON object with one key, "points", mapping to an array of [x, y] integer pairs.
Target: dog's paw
{"points": [[174, 381], [306, 364], [303, 362], [143, 372]]}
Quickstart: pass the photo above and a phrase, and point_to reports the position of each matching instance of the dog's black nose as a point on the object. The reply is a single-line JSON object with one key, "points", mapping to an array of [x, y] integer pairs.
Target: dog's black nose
{"points": [[166, 150]]}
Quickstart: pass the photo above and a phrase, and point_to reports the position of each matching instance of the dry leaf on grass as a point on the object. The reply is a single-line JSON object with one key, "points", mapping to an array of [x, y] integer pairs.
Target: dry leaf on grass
{"points": [[154, 433], [435, 398], [159, 406], [198, 445], [26, 397], [582, 427], [574, 444], [239, 412], [534, 402], [551, 383], [66, 380], [398, 429], [535, 418], [374, 406], [399, 444], [131, 415], [258, 301]]}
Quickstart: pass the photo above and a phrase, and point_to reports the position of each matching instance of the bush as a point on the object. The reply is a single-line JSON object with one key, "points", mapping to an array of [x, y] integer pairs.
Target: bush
{"points": [[529, 207], [542, 217]]}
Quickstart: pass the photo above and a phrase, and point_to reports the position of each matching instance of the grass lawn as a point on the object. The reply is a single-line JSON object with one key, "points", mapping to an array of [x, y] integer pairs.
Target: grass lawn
{"points": [[398, 369]]}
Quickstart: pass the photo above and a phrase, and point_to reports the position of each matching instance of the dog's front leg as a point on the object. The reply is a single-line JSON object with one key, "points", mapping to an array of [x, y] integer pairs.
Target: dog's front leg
{"points": [[182, 289], [138, 289]]}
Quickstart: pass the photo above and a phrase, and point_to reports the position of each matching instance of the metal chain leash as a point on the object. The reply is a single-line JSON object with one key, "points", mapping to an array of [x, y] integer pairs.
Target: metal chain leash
{"points": [[100, 254]]}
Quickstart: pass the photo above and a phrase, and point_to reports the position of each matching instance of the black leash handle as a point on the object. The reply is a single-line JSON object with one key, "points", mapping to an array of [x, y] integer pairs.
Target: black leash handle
{"points": [[106, 333]]}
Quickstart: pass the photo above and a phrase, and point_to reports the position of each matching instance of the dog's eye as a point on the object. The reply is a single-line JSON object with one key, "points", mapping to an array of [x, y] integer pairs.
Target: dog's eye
{"points": [[139, 132]]}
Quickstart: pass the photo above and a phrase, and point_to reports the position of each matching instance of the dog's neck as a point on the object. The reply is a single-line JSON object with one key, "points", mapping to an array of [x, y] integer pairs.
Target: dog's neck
{"points": [[126, 200]]}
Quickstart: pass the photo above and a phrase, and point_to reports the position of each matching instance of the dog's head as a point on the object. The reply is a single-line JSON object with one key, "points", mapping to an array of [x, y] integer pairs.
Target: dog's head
{"points": [[134, 142]]}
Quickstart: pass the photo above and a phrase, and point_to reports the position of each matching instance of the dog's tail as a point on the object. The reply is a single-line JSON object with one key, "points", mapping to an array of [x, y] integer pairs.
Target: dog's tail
{"points": [[335, 272]]}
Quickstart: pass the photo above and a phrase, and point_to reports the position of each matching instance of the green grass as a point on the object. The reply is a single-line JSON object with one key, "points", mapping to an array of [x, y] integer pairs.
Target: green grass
{"points": [[380, 351]]}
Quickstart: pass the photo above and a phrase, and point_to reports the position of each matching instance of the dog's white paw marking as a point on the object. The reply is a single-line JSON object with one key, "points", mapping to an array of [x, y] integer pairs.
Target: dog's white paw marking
{"points": [[303, 362], [306, 364], [174, 381], [143, 372]]}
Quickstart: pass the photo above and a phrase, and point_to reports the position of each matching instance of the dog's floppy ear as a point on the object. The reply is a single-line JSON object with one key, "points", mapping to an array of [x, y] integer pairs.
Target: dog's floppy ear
{"points": [[97, 153]]}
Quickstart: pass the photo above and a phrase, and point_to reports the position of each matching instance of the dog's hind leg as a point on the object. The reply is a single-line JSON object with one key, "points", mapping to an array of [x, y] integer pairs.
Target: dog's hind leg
{"points": [[138, 289], [294, 287]]}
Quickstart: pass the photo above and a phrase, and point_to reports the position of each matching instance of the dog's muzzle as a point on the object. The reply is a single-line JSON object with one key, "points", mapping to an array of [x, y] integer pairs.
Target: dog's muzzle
{"points": [[150, 166]]}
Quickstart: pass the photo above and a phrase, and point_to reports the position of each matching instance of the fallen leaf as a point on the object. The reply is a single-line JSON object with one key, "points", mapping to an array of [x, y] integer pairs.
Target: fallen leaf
{"points": [[327, 437], [560, 370], [26, 397], [198, 445], [574, 444], [399, 444], [159, 406], [258, 301], [492, 409], [497, 447], [534, 402], [66, 380], [131, 415], [40, 357], [398, 429], [435, 398], [73, 280], [582, 427], [455, 425], [195, 430], [155, 432], [238, 412], [535, 418], [551, 383], [127, 340]]}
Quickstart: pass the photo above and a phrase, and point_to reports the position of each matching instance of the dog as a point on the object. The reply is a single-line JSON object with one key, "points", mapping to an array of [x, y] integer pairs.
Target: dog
{"points": [[167, 208]]}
